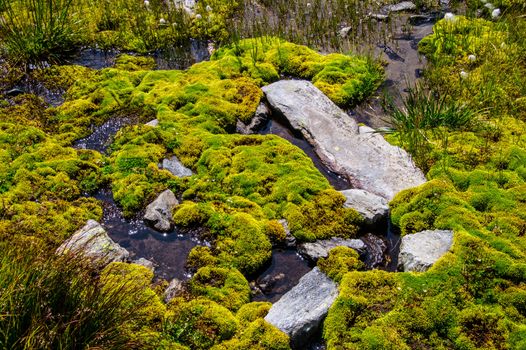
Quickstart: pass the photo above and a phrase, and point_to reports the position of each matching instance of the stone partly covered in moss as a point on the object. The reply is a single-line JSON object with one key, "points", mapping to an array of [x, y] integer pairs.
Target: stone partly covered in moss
{"points": [[159, 212], [174, 166], [419, 251], [359, 154], [340, 261], [92, 241], [373, 208], [300, 311], [320, 249]]}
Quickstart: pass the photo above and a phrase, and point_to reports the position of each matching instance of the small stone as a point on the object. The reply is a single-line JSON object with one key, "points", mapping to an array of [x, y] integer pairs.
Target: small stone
{"points": [[290, 240], [378, 17], [419, 251], [177, 168], [472, 58], [344, 32], [464, 75], [153, 123], [374, 209], [402, 6], [162, 21], [495, 14], [145, 262], [159, 212], [320, 249], [449, 17], [175, 288]]}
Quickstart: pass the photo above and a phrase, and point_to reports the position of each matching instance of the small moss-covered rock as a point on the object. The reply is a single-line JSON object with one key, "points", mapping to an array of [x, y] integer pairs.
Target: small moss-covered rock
{"points": [[227, 287], [199, 323], [340, 261]]}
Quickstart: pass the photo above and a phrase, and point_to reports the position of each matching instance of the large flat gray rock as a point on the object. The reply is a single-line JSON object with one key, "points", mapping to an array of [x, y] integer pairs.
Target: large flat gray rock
{"points": [[159, 212], [372, 207], [300, 312], [320, 249], [93, 242], [419, 251], [358, 153]]}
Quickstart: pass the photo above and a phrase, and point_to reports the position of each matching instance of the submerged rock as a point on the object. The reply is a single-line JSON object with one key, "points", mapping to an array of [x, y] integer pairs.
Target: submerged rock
{"points": [[373, 208], [175, 288], [300, 312], [92, 241], [159, 212], [358, 153], [376, 251], [320, 249], [267, 283], [177, 168], [145, 262], [261, 116], [419, 251]]}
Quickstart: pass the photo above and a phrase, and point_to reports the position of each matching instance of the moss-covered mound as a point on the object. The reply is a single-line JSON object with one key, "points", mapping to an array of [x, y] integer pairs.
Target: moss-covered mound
{"points": [[470, 298]]}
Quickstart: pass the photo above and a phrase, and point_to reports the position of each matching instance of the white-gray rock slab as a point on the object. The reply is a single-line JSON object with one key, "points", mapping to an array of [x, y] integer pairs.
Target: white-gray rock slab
{"points": [[320, 249], [401, 6], [153, 123], [300, 312], [372, 207], [358, 153], [92, 241], [177, 168], [159, 212], [419, 251]]}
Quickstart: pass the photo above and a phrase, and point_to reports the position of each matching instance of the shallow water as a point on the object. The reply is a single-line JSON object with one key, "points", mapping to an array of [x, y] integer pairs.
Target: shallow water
{"points": [[168, 251], [103, 135], [286, 268]]}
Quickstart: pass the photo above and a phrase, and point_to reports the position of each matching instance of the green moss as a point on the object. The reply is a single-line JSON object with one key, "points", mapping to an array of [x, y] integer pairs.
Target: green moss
{"points": [[227, 287], [252, 311], [199, 323], [258, 335], [340, 261]]}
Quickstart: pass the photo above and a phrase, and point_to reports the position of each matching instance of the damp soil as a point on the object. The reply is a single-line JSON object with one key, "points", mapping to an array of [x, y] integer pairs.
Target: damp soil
{"points": [[168, 251]]}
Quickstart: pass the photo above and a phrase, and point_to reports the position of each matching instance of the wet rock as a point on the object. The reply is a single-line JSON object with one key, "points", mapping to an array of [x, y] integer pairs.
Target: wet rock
{"points": [[177, 168], [378, 17], [344, 32], [175, 288], [267, 283], [300, 312], [290, 240], [373, 208], [376, 251], [357, 153], [159, 212], [261, 116], [402, 6], [92, 241], [418, 20], [14, 92], [145, 262], [419, 251], [153, 123], [320, 249]]}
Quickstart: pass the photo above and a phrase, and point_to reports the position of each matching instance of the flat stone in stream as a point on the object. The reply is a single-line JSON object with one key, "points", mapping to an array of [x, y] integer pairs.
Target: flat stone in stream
{"points": [[92, 241], [358, 153], [401, 6], [320, 249], [419, 251], [159, 212], [177, 168], [300, 312], [374, 209]]}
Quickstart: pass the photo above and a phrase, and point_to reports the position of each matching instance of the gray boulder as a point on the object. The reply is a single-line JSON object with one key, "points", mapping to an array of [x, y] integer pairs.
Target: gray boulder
{"points": [[320, 249], [92, 241], [373, 208], [175, 288], [419, 251], [159, 212], [261, 116], [358, 153], [300, 312], [177, 168]]}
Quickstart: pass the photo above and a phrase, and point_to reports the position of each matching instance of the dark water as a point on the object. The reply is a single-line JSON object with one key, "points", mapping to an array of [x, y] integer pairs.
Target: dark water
{"points": [[280, 127], [178, 57], [285, 270], [103, 135], [168, 251]]}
